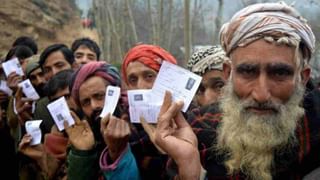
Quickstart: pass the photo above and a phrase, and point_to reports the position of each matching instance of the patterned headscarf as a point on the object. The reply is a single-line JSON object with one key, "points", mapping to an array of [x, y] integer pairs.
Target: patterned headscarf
{"points": [[276, 21], [150, 55], [206, 59], [101, 69]]}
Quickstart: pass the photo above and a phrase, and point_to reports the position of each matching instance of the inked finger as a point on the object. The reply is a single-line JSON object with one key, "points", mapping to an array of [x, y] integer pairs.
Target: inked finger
{"points": [[66, 126]]}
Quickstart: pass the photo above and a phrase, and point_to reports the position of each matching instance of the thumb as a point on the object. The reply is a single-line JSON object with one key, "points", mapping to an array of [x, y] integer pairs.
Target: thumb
{"points": [[66, 125]]}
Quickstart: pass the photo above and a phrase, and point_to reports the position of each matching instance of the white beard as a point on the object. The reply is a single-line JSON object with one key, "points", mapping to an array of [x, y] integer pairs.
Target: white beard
{"points": [[249, 140]]}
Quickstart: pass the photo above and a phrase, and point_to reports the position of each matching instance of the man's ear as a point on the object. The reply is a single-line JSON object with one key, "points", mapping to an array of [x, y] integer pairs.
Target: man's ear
{"points": [[305, 74], [226, 70]]}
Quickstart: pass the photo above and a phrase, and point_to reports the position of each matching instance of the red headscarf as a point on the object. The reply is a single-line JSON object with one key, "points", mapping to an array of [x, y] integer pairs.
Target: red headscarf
{"points": [[150, 55]]}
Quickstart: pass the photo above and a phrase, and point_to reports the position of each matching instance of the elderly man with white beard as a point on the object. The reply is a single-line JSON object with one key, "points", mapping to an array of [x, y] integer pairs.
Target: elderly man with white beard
{"points": [[262, 132]]}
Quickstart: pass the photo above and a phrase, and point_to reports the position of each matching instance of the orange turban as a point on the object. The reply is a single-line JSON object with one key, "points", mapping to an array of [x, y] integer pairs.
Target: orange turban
{"points": [[150, 55]]}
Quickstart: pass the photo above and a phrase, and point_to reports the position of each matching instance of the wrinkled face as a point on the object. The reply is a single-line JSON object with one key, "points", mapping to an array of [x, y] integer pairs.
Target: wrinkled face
{"points": [[37, 80], [261, 107], [91, 96], [140, 76], [55, 63], [210, 87], [84, 55], [264, 72]]}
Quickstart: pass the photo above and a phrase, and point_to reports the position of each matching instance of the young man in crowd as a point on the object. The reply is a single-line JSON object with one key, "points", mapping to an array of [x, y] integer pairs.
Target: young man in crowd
{"points": [[85, 50], [36, 75], [53, 59]]}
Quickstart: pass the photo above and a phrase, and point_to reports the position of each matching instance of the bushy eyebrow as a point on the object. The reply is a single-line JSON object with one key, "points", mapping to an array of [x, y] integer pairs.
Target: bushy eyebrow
{"points": [[280, 67], [245, 67]]}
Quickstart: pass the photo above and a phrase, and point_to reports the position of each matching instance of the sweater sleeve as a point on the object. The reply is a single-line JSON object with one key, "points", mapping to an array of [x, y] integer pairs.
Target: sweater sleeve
{"points": [[125, 167], [82, 165]]}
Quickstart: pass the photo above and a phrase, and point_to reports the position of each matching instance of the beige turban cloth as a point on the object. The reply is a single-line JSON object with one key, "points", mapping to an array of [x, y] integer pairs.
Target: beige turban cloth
{"points": [[275, 21], [207, 59]]}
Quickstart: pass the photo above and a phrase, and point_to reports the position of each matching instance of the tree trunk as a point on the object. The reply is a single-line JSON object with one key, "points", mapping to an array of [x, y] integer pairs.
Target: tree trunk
{"points": [[194, 19], [218, 22], [160, 24], [132, 23], [153, 27], [170, 29], [102, 28], [187, 32], [115, 34]]}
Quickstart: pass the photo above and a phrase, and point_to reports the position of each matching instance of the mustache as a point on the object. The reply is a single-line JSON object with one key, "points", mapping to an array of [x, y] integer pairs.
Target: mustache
{"points": [[95, 114], [269, 105]]}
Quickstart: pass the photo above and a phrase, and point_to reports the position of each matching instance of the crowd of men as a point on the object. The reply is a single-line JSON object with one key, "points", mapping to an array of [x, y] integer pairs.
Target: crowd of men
{"points": [[255, 115]]}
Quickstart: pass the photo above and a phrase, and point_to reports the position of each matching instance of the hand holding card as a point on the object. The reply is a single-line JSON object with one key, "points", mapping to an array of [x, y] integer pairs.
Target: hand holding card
{"points": [[182, 83], [12, 65], [59, 111], [111, 100], [29, 90], [141, 104], [4, 87], [33, 128]]}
